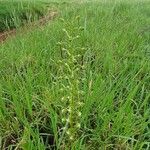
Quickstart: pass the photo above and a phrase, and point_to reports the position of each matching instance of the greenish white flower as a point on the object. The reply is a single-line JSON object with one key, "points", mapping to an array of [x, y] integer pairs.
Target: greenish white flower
{"points": [[68, 120], [62, 98], [63, 110], [79, 114], [63, 119], [68, 132], [71, 138], [78, 125]]}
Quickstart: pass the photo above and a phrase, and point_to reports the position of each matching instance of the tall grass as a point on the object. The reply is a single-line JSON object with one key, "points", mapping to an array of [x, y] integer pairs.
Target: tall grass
{"points": [[14, 14], [116, 98]]}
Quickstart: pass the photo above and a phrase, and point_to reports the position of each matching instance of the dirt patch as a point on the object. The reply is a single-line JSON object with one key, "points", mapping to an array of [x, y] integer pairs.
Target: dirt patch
{"points": [[42, 21], [4, 35]]}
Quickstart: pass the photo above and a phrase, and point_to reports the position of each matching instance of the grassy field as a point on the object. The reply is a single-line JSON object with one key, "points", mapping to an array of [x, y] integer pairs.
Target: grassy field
{"points": [[81, 82]]}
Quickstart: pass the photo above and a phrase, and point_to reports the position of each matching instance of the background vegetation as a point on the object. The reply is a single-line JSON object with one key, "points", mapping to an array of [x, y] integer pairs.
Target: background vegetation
{"points": [[14, 14]]}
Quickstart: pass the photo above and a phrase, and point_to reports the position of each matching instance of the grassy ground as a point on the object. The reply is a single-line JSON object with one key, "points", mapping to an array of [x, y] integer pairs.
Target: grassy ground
{"points": [[81, 82], [14, 14]]}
